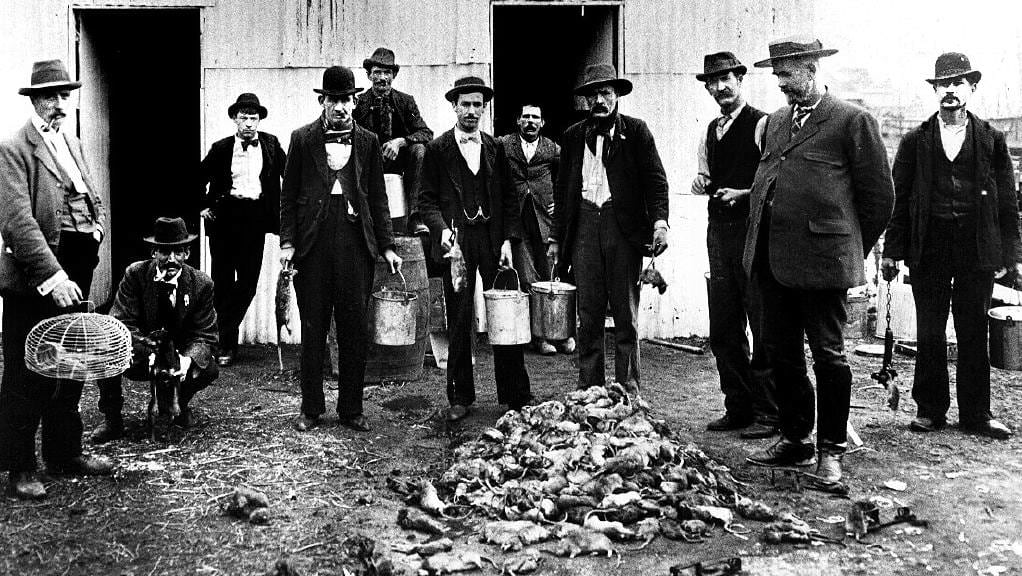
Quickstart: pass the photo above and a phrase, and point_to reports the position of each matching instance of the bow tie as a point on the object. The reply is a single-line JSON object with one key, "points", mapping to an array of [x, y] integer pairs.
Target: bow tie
{"points": [[337, 137], [246, 143], [468, 138]]}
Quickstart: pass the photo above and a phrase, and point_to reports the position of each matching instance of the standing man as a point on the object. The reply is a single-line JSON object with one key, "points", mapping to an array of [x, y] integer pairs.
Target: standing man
{"points": [[728, 156], [394, 117], [610, 209], [51, 221], [242, 206], [533, 161], [821, 197], [955, 223], [334, 222], [467, 199]]}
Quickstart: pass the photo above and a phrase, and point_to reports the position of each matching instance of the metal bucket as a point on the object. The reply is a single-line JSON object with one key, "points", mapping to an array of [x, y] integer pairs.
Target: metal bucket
{"points": [[394, 316], [1006, 337], [507, 314], [552, 309], [395, 187]]}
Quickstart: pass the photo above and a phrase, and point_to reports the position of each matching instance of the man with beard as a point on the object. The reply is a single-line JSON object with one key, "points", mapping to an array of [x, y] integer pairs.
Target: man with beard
{"points": [[956, 222], [728, 156], [610, 208], [334, 222], [820, 199], [394, 117]]}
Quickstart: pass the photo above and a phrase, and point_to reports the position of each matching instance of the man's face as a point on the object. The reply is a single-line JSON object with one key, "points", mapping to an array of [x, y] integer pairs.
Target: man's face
{"points": [[725, 88], [337, 110], [52, 106], [530, 122], [170, 258], [602, 101], [953, 93], [248, 124], [469, 108], [795, 80], [381, 78]]}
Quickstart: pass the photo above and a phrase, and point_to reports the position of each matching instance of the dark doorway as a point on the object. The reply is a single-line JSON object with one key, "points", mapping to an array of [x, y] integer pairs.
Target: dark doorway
{"points": [[539, 53]]}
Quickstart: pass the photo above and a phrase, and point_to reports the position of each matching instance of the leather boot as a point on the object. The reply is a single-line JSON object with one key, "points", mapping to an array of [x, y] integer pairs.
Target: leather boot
{"points": [[828, 466], [112, 428], [26, 485]]}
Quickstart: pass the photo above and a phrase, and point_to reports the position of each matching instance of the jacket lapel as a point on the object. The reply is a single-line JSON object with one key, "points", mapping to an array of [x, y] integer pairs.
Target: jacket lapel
{"points": [[984, 151], [318, 148], [515, 151], [264, 149], [42, 151], [453, 156], [183, 292], [612, 145], [150, 296], [811, 126]]}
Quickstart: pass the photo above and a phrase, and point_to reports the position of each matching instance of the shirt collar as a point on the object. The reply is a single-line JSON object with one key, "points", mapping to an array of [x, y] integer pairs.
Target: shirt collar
{"points": [[952, 127], [39, 124], [734, 113], [458, 134], [160, 275]]}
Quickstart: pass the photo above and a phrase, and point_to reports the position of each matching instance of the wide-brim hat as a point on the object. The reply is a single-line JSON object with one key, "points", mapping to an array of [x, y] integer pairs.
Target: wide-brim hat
{"points": [[951, 65], [720, 63], [247, 100], [469, 84], [382, 57], [795, 47], [338, 81], [170, 232], [49, 75], [596, 75]]}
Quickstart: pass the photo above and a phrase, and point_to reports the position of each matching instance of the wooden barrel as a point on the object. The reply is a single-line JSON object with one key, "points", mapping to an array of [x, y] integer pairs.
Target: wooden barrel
{"points": [[402, 362]]}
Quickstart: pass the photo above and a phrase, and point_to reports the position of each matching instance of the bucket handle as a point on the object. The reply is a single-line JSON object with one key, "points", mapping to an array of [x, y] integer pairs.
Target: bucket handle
{"points": [[404, 283], [518, 283], [551, 294]]}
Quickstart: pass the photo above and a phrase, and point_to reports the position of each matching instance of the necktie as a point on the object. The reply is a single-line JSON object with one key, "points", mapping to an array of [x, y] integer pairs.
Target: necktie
{"points": [[469, 138], [721, 122], [246, 143], [801, 113], [337, 137]]}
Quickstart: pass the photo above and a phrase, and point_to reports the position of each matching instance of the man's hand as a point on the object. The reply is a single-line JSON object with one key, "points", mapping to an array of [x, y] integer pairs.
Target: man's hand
{"points": [[447, 240], [66, 294], [98, 234], [207, 214], [287, 253], [186, 363], [553, 252], [731, 195], [393, 260], [659, 240], [505, 254], [700, 183], [888, 269], [391, 148]]}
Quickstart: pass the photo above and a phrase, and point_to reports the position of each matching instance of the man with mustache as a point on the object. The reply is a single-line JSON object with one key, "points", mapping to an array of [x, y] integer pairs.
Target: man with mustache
{"points": [[334, 222], [728, 156], [394, 117], [956, 222], [821, 196], [610, 209]]}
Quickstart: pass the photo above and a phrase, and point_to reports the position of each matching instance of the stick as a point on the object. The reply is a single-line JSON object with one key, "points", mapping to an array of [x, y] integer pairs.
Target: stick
{"points": [[683, 347], [280, 357], [853, 435]]}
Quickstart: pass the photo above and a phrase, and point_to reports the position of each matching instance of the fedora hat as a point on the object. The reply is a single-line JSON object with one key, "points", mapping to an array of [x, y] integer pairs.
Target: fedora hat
{"points": [[719, 63], [49, 75], [596, 75], [467, 84], [247, 100], [382, 57], [338, 81], [795, 47], [954, 65], [170, 232]]}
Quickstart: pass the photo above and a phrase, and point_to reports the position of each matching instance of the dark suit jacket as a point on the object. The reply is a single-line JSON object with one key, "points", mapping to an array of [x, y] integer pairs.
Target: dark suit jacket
{"points": [[833, 195], [32, 189], [307, 184], [406, 120], [534, 179], [635, 174], [215, 170], [996, 202]]}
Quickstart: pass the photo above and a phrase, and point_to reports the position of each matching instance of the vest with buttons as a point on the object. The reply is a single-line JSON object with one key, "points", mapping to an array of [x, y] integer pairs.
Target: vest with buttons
{"points": [[473, 186], [732, 161], [955, 193]]}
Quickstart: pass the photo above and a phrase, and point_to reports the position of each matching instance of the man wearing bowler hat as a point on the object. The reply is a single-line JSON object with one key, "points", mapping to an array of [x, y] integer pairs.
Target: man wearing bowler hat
{"points": [[956, 223], [728, 157], [51, 221], [821, 197], [242, 206], [394, 117], [334, 222], [610, 209], [467, 198]]}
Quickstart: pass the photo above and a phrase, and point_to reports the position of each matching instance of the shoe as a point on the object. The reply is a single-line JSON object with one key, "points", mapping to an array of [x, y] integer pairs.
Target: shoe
{"points": [[81, 466], [186, 419], [728, 422], [225, 359], [828, 468], [530, 401], [989, 428], [924, 424], [457, 412], [26, 486], [545, 348], [111, 429], [305, 423], [784, 452], [357, 423], [567, 347], [758, 430]]}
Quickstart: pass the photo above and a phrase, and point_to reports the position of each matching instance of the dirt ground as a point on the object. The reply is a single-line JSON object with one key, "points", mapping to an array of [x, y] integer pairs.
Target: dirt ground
{"points": [[160, 512]]}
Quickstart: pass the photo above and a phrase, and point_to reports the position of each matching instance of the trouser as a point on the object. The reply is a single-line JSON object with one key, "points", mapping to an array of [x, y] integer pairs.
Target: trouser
{"points": [[530, 254], [606, 270], [409, 164], [236, 246]]}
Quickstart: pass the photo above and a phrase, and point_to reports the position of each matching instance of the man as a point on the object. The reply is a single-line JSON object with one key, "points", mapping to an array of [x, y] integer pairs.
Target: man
{"points": [[51, 221], [334, 222], [610, 209], [820, 199], [533, 161], [394, 117], [163, 293], [467, 199], [242, 206], [728, 156], [955, 223]]}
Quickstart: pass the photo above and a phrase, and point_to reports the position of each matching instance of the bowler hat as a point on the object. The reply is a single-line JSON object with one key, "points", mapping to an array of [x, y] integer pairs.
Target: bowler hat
{"points": [[954, 65], [382, 57], [795, 47], [170, 232], [719, 63], [467, 84], [338, 81], [597, 75], [49, 75], [246, 100]]}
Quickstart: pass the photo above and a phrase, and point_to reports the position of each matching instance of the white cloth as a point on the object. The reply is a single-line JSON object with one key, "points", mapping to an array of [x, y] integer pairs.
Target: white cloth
{"points": [[161, 276], [594, 174], [245, 168], [471, 147], [337, 155], [952, 137], [55, 141], [529, 149]]}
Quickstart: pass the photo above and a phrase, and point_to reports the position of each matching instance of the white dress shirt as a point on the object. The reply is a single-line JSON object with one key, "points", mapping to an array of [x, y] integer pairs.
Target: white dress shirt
{"points": [[594, 174], [722, 128], [55, 141], [529, 148], [471, 146], [952, 136], [246, 164]]}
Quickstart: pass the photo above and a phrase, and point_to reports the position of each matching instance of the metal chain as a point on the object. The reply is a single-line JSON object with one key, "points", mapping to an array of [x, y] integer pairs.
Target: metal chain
{"points": [[888, 304]]}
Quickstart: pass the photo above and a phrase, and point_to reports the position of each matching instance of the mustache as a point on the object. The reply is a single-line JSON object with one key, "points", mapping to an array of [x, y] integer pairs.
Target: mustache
{"points": [[600, 108], [950, 99]]}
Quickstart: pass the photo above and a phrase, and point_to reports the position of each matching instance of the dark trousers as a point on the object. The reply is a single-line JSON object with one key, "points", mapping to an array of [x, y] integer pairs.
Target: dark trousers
{"points": [[530, 254], [236, 246], [409, 164], [334, 281], [508, 361], [746, 380], [606, 270]]}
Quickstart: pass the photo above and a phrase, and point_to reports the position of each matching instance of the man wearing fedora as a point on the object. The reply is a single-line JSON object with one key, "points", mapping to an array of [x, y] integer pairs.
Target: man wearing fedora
{"points": [[394, 117], [821, 197], [467, 198], [242, 205], [51, 221], [610, 209], [728, 157], [163, 292], [956, 222], [334, 222]]}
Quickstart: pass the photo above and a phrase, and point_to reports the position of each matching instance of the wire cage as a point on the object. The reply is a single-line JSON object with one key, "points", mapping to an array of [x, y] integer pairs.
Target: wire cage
{"points": [[78, 346]]}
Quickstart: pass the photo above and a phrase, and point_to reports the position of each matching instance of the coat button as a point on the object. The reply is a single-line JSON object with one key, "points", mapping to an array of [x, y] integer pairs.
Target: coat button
{"points": [[784, 157]]}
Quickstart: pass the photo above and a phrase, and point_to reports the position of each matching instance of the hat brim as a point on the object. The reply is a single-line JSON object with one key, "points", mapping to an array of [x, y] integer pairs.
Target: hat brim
{"points": [[188, 240], [486, 91], [740, 69], [47, 86], [805, 54], [368, 64], [623, 86], [338, 92], [234, 108], [972, 76]]}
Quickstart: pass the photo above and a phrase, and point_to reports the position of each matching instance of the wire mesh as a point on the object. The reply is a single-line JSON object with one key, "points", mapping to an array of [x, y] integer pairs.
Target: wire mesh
{"points": [[79, 346]]}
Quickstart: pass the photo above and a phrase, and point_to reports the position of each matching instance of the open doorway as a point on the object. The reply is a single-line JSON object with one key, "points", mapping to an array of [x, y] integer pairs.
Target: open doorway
{"points": [[539, 54]]}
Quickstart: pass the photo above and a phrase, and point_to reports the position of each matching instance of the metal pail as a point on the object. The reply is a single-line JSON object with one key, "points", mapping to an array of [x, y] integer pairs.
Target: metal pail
{"points": [[552, 309], [507, 314], [395, 187], [1006, 337], [394, 316]]}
